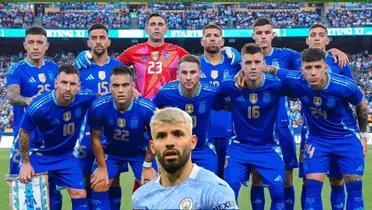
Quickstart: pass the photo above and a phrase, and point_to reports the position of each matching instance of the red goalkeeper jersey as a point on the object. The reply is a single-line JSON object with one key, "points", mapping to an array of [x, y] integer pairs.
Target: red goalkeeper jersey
{"points": [[153, 66]]}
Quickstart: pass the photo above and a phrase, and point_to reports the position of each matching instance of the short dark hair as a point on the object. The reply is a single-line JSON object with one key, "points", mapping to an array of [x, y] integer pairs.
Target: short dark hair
{"points": [[68, 69], [155, 14], [212, 26], [313, 54], [251, 48], [120, 70], [36, 30], [318, 25], [261, 22], [190, 58], [98, 26]]}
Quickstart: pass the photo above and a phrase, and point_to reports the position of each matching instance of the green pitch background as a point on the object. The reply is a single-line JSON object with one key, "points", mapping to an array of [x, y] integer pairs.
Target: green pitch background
{"points": [[127, 183]]}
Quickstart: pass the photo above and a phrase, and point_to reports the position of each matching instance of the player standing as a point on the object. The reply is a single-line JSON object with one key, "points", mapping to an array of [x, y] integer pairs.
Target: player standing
{"points": [[182, 184], [216, 67], [197, 98], [58, 116]]}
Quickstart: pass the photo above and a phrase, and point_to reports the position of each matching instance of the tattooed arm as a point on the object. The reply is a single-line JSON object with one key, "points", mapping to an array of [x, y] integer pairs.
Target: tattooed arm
{"points": [[27, 170], [13, 93], [362, 115]]}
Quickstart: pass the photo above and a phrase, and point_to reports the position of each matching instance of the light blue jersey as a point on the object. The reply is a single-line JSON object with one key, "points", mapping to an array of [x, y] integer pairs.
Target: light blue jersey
{"points": [[201, 190]]}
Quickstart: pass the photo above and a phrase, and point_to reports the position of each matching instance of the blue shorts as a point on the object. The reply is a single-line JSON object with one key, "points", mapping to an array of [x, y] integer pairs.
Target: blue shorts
{"points": [[117, 165], [15, 158], [266, 160], [205, 157], [288, 146], [346, 154], [86, 155], [63, 167]]}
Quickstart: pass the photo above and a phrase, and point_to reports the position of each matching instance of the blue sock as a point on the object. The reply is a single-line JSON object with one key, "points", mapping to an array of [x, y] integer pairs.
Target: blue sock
{"points": [[55, 200], [277, 196], [313, 195], [289, 197], [303, 196], [79, 204], [257, 198], [337, 197], [115, 197], [354, 195], [100, 200]]}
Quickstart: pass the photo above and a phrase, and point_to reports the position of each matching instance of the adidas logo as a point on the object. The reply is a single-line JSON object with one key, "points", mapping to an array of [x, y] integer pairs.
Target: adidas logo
{"points": [[90, 77], [278, 179], [31, 80]]}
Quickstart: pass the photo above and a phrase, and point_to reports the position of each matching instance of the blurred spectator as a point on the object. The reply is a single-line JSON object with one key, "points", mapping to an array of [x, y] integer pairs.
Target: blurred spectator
{"points": [[341, 18], [16, 18]]}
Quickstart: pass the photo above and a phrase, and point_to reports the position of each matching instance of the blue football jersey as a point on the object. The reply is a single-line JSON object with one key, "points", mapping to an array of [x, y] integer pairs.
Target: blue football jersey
{"points": [[201, 190], [199, 107], [127, 133], [287, 59], [31, 80], [335, 68], [215, 74], [97, 78], [328, 113], [254, 110], [59, 126]]}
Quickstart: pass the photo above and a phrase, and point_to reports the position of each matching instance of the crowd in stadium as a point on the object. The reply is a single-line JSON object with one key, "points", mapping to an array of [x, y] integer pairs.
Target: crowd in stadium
{"points": [[361, 66], [182, 16]]}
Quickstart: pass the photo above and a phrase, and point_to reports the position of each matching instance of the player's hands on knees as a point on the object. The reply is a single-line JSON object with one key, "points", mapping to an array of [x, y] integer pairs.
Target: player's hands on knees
{"points": [[240, 79], [147, 175], [27, 171], [339, 57], [83, 60], [99, 179]]}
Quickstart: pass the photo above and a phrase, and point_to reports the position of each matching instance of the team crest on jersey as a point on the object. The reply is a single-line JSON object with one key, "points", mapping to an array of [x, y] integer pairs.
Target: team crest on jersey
{"points": [[42, 77], [226, 74], [214, 74], [155, 55], [189, 108], [67, 116], [253, 98], [317, 101], [121, 122], [144, 58], [166, 55], [102, 75], [202, 107], [186, 203]]}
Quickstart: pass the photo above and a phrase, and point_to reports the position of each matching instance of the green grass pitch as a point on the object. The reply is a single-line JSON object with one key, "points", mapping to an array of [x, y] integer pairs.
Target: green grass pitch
{"points": [[127, 183]]}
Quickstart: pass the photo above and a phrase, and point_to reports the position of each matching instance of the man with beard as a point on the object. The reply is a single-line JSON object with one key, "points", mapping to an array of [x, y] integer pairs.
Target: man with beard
{"points": [[197, 98], [216, 67], [124, 122], [181, 184], [96, 78], [58, 116]]}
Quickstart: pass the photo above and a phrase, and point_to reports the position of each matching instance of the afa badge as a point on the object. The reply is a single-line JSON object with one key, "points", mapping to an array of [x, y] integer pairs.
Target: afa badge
{"points": [[253, 98], [317, 101], [121, 122], [102, 75], [155, 55], [214, 74], [42, 77], [189, 108], [67, 116]]}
